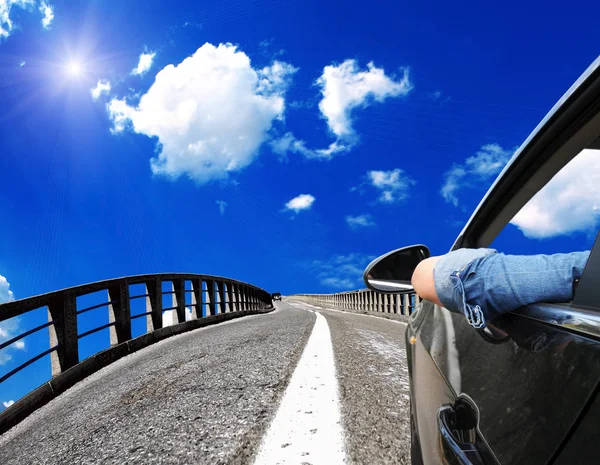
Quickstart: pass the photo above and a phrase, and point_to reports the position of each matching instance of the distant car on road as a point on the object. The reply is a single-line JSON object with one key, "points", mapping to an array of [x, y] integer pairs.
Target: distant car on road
{"points": [[276, 296], [525, 389]]}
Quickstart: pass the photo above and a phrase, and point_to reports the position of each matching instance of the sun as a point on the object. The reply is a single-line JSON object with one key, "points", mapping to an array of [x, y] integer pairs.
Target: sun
{"points": [[74, 69]]}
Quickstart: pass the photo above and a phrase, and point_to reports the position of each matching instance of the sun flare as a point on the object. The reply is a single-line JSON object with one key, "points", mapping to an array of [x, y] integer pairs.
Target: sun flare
{"points": [[74, 69]]}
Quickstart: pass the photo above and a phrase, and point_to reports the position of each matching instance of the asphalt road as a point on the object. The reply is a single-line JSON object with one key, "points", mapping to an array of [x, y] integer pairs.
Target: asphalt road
{"points": [[209, 396], [373, 378]]}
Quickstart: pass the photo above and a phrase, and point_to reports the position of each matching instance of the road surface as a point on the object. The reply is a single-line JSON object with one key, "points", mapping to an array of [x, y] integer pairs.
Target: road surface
{"points": [[301, 385]]}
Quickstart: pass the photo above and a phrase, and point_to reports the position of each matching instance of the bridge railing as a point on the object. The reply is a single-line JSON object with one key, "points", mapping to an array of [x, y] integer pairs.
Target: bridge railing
{"points": [[365, 300], [210, 295]]}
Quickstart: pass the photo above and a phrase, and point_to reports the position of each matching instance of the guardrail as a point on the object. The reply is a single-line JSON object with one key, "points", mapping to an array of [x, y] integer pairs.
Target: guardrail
{"points": [[365, 300], [213, 294]]}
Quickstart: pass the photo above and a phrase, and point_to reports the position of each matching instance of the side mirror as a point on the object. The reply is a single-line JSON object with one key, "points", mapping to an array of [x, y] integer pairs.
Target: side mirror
{"points": [[392, 272]]}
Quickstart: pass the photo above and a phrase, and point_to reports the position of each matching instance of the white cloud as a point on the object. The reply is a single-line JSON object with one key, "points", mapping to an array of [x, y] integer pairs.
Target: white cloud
{"points": [[8, 328], [393, 185], [8, 404], [145, 63], [211, 113], [569, 203], [299, 203], [222, 206], [477, 170], [6, 24], [103, 87], [48, 13], [6, 8], [342, 271], [275, 79], [289, 144], [6, 295], [339, 283], [345, 87], [360, 221]]}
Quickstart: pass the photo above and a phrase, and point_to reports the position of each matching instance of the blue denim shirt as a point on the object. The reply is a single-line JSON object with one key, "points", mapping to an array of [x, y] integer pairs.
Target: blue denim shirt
{"points": [[482, 283]]}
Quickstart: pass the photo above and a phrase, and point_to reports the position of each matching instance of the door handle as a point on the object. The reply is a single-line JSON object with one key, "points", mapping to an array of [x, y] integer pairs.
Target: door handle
{"points": [[459, 435]]}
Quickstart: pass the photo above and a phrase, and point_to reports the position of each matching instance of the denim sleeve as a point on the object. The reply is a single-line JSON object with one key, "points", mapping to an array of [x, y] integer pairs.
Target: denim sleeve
{"points": [[502, 283], [486, 284]]}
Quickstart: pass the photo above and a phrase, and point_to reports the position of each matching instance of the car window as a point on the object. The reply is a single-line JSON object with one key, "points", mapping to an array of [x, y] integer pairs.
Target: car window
{"points": [[564, 216]]}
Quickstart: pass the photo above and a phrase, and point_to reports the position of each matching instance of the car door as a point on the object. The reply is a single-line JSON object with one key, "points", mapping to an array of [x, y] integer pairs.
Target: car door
{"points": [[515, 392]]}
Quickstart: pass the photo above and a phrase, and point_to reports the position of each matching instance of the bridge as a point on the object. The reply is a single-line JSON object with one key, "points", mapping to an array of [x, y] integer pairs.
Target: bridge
{"points": [[220, 375]]}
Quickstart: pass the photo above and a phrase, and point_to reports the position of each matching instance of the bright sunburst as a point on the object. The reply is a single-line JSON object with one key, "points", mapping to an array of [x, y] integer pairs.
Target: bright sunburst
{"points": [[74, 69]]}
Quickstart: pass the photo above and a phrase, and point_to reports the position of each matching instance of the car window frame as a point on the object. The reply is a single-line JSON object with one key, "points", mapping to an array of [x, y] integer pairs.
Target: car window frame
{"points": [[570, 127], [567, 129]]}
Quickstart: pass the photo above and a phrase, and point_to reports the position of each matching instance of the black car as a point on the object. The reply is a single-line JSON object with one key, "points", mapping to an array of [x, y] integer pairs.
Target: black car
{"points": [[276, 296], [524, 390]]}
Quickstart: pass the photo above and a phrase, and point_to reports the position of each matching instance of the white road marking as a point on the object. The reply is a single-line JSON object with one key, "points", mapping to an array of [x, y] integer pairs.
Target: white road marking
{"points": [[307, 427]]}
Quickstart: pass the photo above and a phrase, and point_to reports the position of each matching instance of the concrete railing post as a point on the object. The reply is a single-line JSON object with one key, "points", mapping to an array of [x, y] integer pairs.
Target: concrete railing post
{"points": [[118, 313], [221, 295], [63, 310], [196, 298], [236, 293], [230, 302], [154, 305], [210, 297], [406, 304], [178, 300], [217, 297], [245, 298]]}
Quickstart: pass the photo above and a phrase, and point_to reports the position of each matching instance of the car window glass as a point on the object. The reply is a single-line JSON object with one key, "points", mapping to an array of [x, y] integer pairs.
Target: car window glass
{"points": [[564, 216]]}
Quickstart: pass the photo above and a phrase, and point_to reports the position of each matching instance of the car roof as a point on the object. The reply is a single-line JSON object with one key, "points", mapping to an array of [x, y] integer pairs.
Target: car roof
{"points": [[484, 224]]}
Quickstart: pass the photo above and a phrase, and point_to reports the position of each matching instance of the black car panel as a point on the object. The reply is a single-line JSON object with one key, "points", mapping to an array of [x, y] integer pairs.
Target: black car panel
{"points": [[581, 447], [529, 389]]}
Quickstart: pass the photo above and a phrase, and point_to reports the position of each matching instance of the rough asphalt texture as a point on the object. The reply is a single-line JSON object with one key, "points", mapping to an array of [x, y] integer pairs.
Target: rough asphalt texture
{"points": [[201, 397], [370, 359], [207, 397]]}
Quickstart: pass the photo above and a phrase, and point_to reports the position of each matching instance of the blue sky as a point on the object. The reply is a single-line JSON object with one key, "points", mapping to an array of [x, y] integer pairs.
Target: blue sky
{"points": [[283, 143]]}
